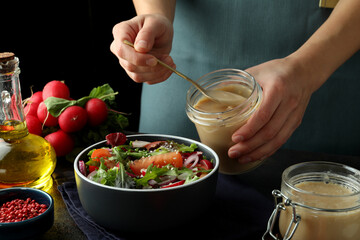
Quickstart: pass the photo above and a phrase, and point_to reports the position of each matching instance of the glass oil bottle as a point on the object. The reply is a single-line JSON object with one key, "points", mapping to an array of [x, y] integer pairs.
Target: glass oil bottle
{"points": [[26, 160]]}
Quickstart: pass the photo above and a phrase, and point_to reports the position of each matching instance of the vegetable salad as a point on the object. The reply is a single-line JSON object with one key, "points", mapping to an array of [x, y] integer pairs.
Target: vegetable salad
{"points": [[145, 165]]}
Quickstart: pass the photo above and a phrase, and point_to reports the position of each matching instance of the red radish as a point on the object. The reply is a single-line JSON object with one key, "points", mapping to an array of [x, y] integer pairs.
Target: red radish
{"points": [[45, 117], [36, 97], [31, 108], [96, 110], [61, 141], [174, 184], [55, 89], [34, 125], [73, 119]]}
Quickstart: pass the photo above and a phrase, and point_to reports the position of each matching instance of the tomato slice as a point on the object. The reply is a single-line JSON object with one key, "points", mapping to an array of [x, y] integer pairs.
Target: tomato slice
{"points": [[174, 184], [173, 158], [93, 168], [97, 154], [206, 164]]}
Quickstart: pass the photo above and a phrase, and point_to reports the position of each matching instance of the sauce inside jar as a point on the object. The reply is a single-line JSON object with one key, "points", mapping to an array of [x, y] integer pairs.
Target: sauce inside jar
{"points": [[217, 131], [332, 222], [207, 105]]}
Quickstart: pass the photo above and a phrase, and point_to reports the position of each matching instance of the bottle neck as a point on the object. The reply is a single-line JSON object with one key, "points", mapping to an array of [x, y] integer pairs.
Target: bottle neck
{"points": [[12, 118]]}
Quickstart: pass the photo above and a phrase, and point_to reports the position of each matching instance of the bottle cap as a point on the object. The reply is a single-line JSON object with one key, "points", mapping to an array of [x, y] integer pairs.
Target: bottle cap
{"points": [[7, 64], [6, 56]]}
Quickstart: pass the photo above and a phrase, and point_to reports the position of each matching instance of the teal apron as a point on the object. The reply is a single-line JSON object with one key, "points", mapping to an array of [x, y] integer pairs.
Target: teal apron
{"points": [[211, 35]]}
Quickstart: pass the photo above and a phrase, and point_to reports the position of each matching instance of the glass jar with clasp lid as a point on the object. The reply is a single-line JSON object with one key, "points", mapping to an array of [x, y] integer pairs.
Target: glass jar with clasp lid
{"points": [[26, 160], [318, 200]]}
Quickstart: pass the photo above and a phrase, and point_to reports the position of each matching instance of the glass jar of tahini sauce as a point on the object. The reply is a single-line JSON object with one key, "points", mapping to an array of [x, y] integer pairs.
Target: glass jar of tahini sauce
{"points": [[318, 200]]}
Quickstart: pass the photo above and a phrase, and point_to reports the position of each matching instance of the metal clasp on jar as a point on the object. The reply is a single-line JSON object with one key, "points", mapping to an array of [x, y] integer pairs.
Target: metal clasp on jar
{"points": [[281, 202]]}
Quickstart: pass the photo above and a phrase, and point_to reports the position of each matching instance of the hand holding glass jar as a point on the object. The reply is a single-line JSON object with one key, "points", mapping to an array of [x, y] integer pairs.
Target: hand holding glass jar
{"points": [[287, 92]]}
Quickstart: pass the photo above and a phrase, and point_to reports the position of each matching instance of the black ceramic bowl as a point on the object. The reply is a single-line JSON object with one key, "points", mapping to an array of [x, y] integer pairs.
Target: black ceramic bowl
{"points": [[132, 210], [30, 228]]}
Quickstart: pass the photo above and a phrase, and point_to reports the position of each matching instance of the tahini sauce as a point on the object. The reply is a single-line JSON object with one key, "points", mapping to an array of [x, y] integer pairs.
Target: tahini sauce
{"points": [[324, 225], [218, 135]]}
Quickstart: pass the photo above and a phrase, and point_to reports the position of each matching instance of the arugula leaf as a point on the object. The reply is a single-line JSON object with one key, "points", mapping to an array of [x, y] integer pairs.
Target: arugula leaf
{"points": [[160, 150], [185, 148], [99, 176], [115, 177], [152, 172], [122, 179], [129, 152], [102, 165], [190, 179]]}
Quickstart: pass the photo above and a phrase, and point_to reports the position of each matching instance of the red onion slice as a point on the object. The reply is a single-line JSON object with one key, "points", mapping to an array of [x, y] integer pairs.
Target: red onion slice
{"points": [[82, 167], [167, 177], [183, 176], [152, 182], [193, 158], [168, 181], [91, 174], [131, 175]]}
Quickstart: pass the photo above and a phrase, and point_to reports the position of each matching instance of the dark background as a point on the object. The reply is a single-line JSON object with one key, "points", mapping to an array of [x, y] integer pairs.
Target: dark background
{"points": [[69, 41]]}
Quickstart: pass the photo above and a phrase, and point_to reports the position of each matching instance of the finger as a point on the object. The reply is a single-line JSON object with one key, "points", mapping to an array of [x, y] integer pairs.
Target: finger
{"points": [[161, 78], [145, 38], [149, 75], [136, 58], [265, 134], [138, 69], [122, 51], [262, 115], [144, 69], [150, 78], [122, 31], [272, 146]]}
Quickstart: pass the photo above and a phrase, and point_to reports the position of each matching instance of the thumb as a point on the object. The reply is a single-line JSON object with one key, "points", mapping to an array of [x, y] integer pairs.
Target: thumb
{"points": [[145, 38]]}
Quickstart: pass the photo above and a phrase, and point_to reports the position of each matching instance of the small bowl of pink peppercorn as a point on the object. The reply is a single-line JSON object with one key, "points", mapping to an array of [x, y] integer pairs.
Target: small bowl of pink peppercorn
{"points": [[25, 213]]}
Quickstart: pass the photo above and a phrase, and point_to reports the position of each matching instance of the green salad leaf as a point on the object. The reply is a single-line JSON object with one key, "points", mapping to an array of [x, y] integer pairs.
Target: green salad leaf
{"points": [[104, 92], [185, 148], [115, 176], [152, 172]]}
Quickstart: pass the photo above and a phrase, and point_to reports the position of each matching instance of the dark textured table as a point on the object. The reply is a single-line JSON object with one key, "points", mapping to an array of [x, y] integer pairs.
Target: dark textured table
{"points": [[64, 226], [263, 179]]}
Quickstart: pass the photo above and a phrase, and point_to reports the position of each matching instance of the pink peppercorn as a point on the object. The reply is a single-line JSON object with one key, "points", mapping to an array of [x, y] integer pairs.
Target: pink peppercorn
{"points": [[19, 210]]}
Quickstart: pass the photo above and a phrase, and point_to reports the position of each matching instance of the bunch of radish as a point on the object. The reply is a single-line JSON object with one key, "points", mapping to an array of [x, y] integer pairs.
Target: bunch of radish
{"points": [[52, 108]]}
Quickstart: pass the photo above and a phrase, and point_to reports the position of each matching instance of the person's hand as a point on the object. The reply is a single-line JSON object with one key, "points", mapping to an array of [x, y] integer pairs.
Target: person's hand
{"points": [[286, 93], [150, 34]]}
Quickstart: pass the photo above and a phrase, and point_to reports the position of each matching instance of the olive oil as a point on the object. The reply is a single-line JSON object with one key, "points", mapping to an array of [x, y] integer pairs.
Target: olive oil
{"points": [[26, 160]]}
